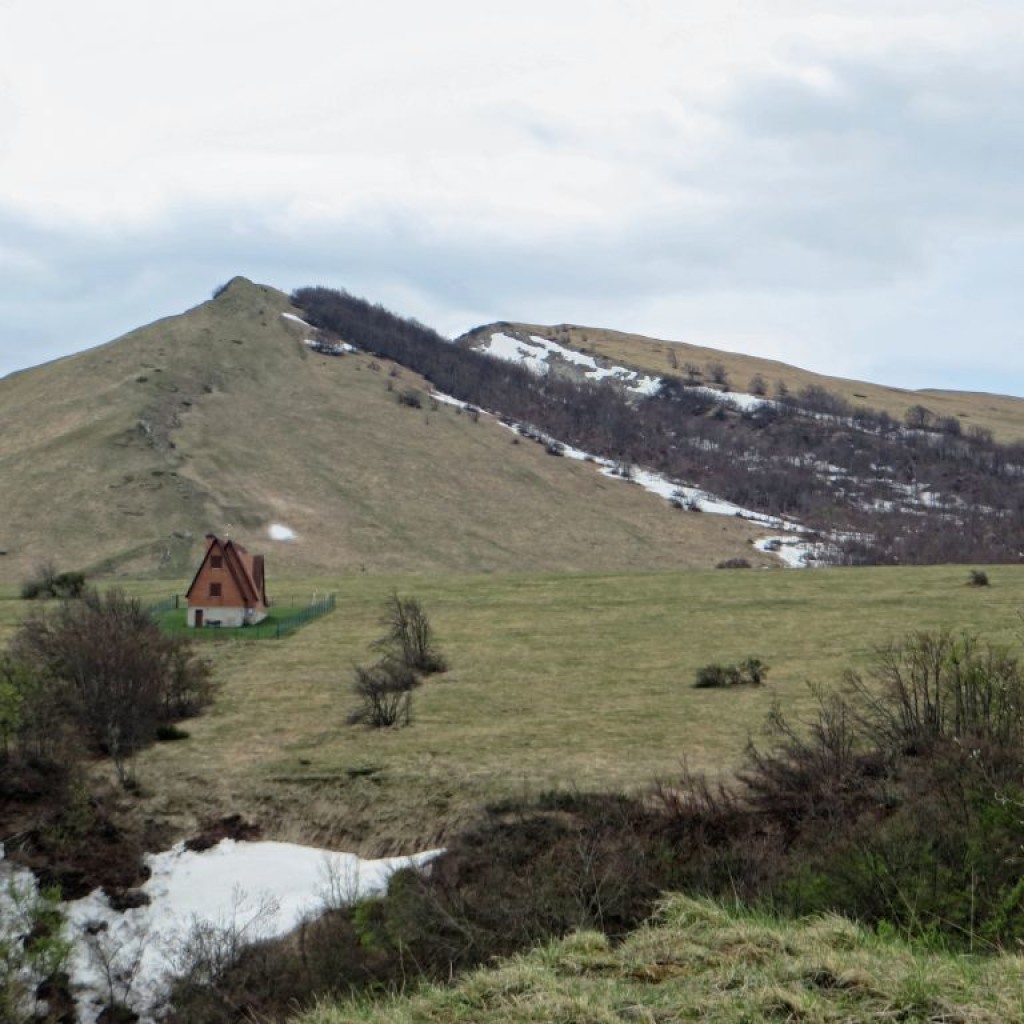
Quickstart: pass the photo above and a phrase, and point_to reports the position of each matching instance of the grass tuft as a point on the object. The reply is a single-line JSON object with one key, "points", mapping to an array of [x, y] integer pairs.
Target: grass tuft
{"points": [[683, 966]]}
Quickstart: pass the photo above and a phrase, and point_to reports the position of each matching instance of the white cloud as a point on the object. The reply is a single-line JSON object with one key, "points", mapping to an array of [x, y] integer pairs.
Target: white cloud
{"points": [[827, 184]]}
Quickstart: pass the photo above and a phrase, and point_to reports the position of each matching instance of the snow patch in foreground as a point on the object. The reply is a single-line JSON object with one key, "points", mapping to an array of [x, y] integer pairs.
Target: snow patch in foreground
{"points": [[253, 890], [278, 531]]}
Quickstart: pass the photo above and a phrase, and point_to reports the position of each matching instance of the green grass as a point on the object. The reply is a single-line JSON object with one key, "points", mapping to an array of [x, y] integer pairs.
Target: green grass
{"points": [[555, 681], [699, 961], [282, 620]]}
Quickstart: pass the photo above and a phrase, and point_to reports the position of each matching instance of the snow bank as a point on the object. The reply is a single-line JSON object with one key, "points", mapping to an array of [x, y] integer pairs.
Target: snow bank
{"points": [[278, 531], [536, 354], [298, 320], [250, 890]]}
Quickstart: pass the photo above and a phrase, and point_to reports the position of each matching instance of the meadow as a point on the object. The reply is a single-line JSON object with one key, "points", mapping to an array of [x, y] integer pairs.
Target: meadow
{"points": [[555, 681]]}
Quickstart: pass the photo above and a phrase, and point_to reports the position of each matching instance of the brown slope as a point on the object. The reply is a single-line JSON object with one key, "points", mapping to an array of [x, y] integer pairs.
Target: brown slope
{"points": [[121, 458]]}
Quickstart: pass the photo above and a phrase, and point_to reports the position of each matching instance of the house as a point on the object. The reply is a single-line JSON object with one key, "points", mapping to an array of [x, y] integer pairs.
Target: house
{"points": [[229, 588]]}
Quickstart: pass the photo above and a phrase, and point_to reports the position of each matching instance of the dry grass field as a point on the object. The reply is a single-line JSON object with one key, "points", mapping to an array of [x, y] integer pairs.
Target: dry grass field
{"points": [[121, 458], [556, 680], [1002, 414]]}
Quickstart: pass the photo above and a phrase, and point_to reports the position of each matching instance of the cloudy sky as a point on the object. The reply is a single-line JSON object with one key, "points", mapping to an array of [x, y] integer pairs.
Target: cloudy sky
{"points": [[836, 184]]}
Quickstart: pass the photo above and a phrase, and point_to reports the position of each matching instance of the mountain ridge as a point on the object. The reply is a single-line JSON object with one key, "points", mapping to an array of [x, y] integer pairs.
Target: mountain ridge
{"points": [[119, 459], [1002, 414]]}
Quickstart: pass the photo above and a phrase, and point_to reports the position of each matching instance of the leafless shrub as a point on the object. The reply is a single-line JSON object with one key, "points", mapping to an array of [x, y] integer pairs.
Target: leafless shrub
{"points": [[718, 373], [119, 675], [410, 637], [118, 963], [385, 694], [942, 686]]}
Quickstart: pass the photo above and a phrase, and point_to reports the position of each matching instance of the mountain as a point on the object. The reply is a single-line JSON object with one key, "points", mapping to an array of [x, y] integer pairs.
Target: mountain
{"points": [[119, 459], [879, 475]]}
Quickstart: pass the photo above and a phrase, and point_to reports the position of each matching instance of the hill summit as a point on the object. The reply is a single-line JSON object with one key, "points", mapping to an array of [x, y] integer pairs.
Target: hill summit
{"points": [[226, 418]]}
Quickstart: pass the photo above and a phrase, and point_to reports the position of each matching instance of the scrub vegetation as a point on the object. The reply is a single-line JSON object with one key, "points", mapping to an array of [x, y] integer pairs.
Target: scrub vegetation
{"points": [[922, 490]]}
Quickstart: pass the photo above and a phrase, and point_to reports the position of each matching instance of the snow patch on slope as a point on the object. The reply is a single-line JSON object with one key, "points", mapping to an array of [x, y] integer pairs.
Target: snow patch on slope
{"points": [[536, 355]]}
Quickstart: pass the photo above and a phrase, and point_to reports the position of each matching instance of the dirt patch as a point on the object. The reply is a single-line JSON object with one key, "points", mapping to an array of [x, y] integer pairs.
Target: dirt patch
{"points": [[88, 841], [233, 826]]}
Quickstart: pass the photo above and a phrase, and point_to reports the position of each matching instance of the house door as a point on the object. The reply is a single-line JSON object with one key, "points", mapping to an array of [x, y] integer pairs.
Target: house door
{"points": [[199, 618]]}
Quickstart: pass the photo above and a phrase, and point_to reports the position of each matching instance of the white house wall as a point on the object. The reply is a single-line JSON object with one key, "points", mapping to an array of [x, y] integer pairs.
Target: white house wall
{"points": [[227, 617]]}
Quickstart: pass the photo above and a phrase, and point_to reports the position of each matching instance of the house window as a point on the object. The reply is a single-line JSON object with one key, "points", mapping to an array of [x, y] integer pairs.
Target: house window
{"points": [[216, 561], [214, 590]]}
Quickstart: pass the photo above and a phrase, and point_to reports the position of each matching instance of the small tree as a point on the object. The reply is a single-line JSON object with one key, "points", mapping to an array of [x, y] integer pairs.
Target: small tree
{"points": [[919, 417], [121, 676], [410, 637]]}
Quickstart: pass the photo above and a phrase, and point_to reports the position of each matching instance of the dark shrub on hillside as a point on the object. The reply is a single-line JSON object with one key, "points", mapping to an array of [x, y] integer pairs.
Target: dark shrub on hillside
{"points": [[49, 583], [734, 563], [749, 672], [710, 676], [895, 800], [410, 397], [977, 578], [102, 668]]}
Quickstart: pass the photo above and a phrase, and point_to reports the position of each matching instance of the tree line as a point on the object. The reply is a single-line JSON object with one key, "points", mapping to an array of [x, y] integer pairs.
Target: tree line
{"points": [[919, 491]]}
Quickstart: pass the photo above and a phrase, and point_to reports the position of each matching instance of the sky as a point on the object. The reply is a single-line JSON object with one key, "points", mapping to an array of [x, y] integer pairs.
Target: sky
{"points": [[834, 184]]}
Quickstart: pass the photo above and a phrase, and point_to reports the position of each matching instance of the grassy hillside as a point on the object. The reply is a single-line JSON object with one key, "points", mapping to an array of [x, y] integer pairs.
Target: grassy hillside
{"points": [[121, 458], [699, 961], [1002, 414], [581, 680]]}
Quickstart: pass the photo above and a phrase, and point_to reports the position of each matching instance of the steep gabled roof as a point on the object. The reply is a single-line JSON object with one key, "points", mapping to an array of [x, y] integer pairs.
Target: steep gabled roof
{"points": [[246, 570]]}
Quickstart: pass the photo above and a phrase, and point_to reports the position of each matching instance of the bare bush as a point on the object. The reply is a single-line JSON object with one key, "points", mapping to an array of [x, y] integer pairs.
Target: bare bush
{"points": [[48, 582], [718, 373], [385, 694], [410, 637], [119, 676], [411, 397], [943, 686], [750, 671]]}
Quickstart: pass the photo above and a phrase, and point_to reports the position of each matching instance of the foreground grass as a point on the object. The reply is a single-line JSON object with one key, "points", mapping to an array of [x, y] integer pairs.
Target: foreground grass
{"points": [[698, 961], [556, 681]]}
